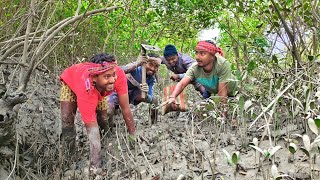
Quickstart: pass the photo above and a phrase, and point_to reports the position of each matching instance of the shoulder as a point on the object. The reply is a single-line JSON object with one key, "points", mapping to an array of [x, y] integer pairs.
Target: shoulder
{"points": [[76, 71], [119, 71], [194, 67], [222, 62]]}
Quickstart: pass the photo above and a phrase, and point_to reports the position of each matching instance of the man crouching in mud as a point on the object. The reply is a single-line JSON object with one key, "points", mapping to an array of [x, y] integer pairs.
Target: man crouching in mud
{"points": [[84, 86]]}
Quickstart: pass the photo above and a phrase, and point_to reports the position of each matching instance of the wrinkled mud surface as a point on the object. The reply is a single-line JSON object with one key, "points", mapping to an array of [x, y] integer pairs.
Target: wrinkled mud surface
{"points": [[177, 147]]}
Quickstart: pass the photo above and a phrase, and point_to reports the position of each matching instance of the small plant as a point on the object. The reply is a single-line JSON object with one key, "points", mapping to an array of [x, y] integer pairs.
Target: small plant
{"points": [[233, 160], [311, 148], [267, 154], [292, 149]]}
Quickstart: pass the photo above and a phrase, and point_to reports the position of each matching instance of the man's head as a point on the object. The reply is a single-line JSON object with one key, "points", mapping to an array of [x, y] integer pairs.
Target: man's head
{"points": [[205, 52], [153, 64], [104, 75], [170, 53]]}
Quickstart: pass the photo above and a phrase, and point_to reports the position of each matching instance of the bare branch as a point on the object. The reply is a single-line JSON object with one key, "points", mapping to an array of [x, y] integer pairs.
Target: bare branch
{"points": [[26, 41], [16, 46], [15, 63], [20, 38], [32, 64], [295, 51]]}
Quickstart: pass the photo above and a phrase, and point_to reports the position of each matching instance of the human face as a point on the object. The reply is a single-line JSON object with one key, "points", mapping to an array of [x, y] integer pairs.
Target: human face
{"points": [[151, 68], [172, 60], [106, 80], [204, 58]]}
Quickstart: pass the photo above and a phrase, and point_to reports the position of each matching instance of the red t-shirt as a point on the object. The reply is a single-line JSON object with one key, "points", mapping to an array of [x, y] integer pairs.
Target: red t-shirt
{"points": [[78, 79]]}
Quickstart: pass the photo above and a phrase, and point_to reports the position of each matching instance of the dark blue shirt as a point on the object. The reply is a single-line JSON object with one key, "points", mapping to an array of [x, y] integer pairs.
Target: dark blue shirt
{"points": [[150, 80]]}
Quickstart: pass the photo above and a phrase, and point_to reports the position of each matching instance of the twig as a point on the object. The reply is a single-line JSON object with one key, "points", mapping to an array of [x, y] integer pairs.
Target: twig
{"points": [[145, 157], [15, 158], [115, 158]]}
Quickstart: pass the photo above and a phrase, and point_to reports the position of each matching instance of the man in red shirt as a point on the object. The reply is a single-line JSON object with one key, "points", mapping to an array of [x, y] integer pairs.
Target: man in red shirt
{"points": [[84, 86]]}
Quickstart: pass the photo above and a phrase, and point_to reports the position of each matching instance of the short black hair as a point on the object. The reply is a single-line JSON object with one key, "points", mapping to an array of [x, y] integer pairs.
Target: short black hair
{"points": [[211, 42], [102, 57], [153, 55]]}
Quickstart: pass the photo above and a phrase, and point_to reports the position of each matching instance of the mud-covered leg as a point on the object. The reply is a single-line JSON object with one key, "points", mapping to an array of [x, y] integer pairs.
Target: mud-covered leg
{"points": [[95, 144], [102, 117], [104, 112], [68, 136]]}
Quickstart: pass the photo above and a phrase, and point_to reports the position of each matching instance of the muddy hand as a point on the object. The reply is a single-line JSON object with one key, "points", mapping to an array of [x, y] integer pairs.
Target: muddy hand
{"points": [[142, 59], [173, 102], [95, 144], [175, 77], [165, 103], [144, 87]]}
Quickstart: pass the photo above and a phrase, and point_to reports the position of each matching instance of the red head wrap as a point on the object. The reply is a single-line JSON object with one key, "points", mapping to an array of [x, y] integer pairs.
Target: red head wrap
{"points": [[101, 68], [208, 47]]}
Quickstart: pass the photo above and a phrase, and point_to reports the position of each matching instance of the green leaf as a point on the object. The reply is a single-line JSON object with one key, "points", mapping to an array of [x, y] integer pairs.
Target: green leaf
{"points": [[236, 157], [317, 122], [305, 151], [292, 148], [251, 66], [289, 3], [310, 58], [266, 154]]}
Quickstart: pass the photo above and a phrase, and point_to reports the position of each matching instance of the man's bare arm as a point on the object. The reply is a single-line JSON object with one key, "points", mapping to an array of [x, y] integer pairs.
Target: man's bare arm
{"points": [[223, 93], [126, 112], [180, 86], [132, 66]]}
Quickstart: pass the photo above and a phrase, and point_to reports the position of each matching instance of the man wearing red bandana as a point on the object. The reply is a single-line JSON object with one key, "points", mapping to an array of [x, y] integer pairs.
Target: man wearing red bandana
{"points": [[85, 86], [212, 71]]}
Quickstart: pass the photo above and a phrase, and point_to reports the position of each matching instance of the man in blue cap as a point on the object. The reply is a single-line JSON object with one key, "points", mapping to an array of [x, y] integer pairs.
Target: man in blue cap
{"points": [[179, 63]]}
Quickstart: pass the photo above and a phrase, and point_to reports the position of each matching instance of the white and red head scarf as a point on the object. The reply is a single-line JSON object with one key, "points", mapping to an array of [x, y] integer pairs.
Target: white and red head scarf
{"points": [[97, 69], [209, 47]]}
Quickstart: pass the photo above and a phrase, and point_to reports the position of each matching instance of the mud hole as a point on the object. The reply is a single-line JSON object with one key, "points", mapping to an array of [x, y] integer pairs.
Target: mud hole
{"points": [[177, 147]]}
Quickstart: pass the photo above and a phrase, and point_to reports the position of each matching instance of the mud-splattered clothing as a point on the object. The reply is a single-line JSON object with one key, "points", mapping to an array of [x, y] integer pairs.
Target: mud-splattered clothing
{"points": [[78, 79], [182, 65], [133, 91], [220, 73]]}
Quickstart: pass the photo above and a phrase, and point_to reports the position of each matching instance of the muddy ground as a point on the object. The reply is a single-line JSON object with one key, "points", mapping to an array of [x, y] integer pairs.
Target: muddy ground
{"points": [[187, 146]]}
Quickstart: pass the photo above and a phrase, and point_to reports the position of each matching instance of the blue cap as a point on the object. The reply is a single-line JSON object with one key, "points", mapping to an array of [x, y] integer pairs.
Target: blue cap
{"points": [[170, 50]]}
